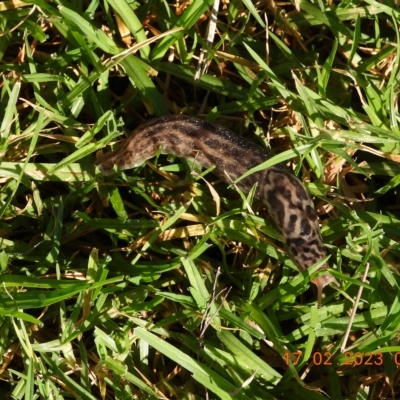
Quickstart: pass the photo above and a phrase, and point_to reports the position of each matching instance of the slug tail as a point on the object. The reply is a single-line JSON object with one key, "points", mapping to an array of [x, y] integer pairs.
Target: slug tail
{"points": [[320, 282]]}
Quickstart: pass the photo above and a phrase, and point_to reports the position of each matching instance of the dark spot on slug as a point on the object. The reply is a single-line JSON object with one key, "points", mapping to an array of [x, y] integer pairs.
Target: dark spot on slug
{"points": [[311, 212], [297, 242], [211, 143], [305, 258], [277, 207], [300, 191], [278, 180], [292, 222], [318, 245], [268, 178], [151, 132], [210, 127], [287, 194], [305, 227], [315, 254], [298, 205]]}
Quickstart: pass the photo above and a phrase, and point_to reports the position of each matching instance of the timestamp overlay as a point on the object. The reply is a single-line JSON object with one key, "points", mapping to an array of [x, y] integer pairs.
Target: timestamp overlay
{"points": [[350, 358]]}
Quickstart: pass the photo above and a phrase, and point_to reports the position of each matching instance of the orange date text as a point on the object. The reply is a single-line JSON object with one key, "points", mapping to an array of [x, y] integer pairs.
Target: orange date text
{"points": [[350, 358]]}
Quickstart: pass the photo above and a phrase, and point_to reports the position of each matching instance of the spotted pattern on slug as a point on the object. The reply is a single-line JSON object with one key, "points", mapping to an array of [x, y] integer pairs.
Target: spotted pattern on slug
{"points": [[285, 197], [290, 206]]}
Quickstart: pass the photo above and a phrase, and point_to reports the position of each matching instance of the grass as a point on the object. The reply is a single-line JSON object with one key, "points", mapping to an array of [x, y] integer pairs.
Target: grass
{"points": [[138, 285]]}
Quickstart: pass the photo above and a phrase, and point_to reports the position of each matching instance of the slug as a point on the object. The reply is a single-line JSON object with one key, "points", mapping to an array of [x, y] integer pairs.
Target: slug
{"points": [[284, 196]]}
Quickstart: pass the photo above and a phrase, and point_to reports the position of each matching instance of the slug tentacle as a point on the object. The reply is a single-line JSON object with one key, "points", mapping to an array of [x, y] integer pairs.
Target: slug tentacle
{"points": [[285, 197]]}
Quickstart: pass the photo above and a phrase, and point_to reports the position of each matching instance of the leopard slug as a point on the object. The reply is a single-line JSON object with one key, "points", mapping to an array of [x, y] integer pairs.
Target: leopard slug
{"points": [[284, 196]]}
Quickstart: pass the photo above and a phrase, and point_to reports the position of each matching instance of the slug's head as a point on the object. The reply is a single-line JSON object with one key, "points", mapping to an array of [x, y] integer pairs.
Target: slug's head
{"points": [[105, 162], [321, 281]]}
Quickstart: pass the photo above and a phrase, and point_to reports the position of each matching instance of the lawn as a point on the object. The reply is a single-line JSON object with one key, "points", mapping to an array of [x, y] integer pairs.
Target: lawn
{"points": [[164, 283]]}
